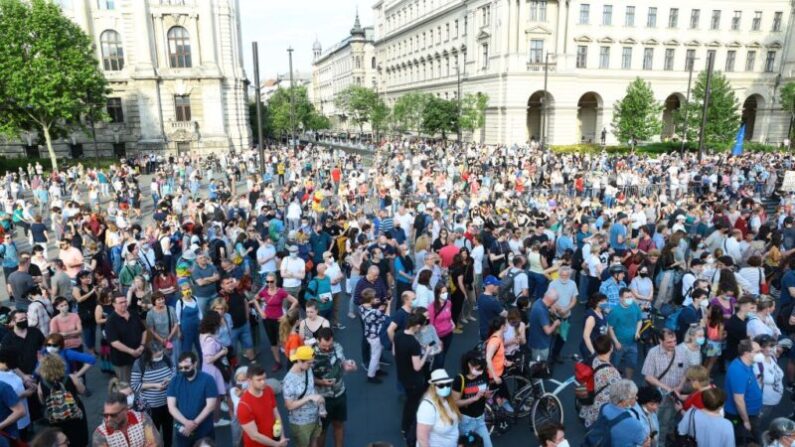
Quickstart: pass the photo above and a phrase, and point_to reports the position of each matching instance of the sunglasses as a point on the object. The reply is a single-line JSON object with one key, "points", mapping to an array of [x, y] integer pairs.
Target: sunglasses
{"points": [[444, 385], [52, 346], [111, 415], [270, 282]]}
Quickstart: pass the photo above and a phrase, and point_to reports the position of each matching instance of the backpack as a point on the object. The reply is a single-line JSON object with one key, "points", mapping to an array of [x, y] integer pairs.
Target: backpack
{"points": [[585, 375], [215, 250], [672, 320], [506, 287], [158, 249], [782, 319], [600, 433], [60, 404], [677, 297]]}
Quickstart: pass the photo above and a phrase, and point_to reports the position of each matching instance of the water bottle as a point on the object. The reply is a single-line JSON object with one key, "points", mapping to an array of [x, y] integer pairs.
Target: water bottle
{"points": [[277, 430]]}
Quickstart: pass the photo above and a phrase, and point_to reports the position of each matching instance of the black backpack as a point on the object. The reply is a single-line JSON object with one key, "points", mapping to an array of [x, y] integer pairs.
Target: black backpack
{"points": [[600, 433]]}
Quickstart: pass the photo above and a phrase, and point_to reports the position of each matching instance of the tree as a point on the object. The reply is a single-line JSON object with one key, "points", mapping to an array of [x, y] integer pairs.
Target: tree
{"points": [[379, 118], [359, 103], [318, 122], [252, 121], [788, 104], [279, 120], [636, 117], [723, 117], [407, 112], [440, 116], [473, 111], [49, 77]]}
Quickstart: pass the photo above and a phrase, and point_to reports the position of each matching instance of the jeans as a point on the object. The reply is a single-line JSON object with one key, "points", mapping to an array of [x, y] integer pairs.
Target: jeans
{"points": [[626, 357], [475, 425], [204, 302], [243, 335], [164, 422], [375, 355]]}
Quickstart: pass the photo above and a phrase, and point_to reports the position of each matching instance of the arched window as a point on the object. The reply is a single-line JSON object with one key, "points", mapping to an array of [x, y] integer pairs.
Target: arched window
{"points": [[179, 47], [112, 52]]}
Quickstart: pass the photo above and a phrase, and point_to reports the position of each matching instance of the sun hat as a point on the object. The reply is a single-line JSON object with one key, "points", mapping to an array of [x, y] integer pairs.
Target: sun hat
{"points": [[439, 376], [303, 353], [189, 255]]}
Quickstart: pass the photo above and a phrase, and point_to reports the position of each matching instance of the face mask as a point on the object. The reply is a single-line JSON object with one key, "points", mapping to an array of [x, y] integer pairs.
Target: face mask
{"points": [[130, 400], [52, 350], [157, 358], [604, 306], [629, 301], [477, 372], [443, 296], [751, 315], [759, 357], [700, 341], [564, 443], [293, 255], [644, 274], [22, 325], [64, 310], [704, 304], [444, 392], [189, 373], [244, 386]]}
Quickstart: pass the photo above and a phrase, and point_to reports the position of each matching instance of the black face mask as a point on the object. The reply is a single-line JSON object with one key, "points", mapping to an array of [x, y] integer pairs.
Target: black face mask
{"points": [[22, 325]]}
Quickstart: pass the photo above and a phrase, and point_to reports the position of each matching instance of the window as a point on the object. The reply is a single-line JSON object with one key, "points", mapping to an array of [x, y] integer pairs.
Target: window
{"points": [[538, 10], [604, 57], [585, 12], [114, 110], [182, 107], [112, 52], [372, 63], [536, 51], [466, 23], [456, 29], [629, 17], [358, 62], [438, 34], [648, 58], [756, 23], [750, 60], [179, 47], [485, 15], [626, 58], [582, 56], [736, 20], [673, 18], [423, 40], [711, 54], [695, 17], [669, 59], [714, 23], [731, 56], [776, 20], [106, 4], [690, 59], [485, 63], [651, 19], [607, 15], [770, 61]]}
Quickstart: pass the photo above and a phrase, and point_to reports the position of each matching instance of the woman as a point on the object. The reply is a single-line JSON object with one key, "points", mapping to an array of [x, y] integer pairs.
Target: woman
{"points": [[289, 336], [40, 311], [693, 343], [726, 293], [374, 315], [595, 325], [515, 334], [707, 425], [469, 291], [769, 375], [421, 246], [224, 333], [552, 435], [642, 288], [54, 344], [56, 383], [424, 294], [441, 317], [151, 374], [763, 322], [440, 241], [85, 294], [161, 322], [470, 394], [456, 289], [270, 305], [669, 272], [354, 262], [101, 313], [310, 325], [50, 437], [604, 375], [189, 315], [214, 358], [438, 415], [67, 324], [496, 362], [404, 270], [165, 282], [139, 295], [698, 378], [780, 433], [536, 265], [754, 274], [716, 334]]}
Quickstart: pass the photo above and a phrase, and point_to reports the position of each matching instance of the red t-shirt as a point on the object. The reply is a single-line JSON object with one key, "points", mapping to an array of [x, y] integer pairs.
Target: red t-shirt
{"points": [[447, 253], [336, 175], [694, 400], [259, 410]]}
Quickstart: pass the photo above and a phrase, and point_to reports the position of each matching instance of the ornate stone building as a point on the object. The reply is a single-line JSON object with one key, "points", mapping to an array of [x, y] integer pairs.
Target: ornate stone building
{"points": [[175, 68], [594, 49]]}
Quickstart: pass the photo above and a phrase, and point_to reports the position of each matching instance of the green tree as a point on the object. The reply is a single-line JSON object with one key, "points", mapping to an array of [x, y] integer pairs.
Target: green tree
{"points": [[440, 116], [473, 111], [318, 122], [279, 119], [788, 103], [407, 113], [723, 117], [359, 103], [379, 118], [636, 117], [49, 77], [252, 121]]}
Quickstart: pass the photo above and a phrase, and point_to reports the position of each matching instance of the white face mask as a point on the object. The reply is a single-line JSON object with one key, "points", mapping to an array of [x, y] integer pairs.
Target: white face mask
{"points": [[443, 296], [52, 350], [759, 357], [157, 358], [130, 400], [564, 443]]}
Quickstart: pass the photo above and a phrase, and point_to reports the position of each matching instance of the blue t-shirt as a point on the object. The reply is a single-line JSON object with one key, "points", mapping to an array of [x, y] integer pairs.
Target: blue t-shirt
{"points": [[8, 399], [787, 281], [192, 397], [627, 433], [207, 290], [616, 230], [539, 317], [399, 267], [488, 308], [624, 320], [740, 379]]}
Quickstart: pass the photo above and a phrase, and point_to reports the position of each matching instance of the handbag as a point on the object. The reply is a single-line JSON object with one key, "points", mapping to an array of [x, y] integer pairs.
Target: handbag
{"points": [[764, 287], [685, 440]]}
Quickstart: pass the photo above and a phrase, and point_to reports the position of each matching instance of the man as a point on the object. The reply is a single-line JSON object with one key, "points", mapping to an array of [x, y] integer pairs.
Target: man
{"points": [[126, 335], [542, 327], [329, 366], [401, 316], [689, 279], [624, 430], [744, 402], [20, 283], [257, 412], [645, 410], [26, 342], [731, 246], [498, 253], [334, 272], [372, 280], [448, 252], [618, 234], [613, 285], [624, 323], [191, 398], [477, 266], [489, 305], [293, 270], [691, 313], [130, 270], [124, 427], [301, 400], [737, 326], [521, 287], [319, 290], [567, 299], [204, 275], [266, 258], [60, 283], [11, 410], [320, 242], [71, 257], [239, 309], [10, 255], [7, 375], [410, 359]]}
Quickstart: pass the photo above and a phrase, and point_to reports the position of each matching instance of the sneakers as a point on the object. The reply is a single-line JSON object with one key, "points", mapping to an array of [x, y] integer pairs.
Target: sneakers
{"points": [[224, 407], [338, 326], [381, 373], [458, 330], [375, 380], [222, 422], [352, 316]]}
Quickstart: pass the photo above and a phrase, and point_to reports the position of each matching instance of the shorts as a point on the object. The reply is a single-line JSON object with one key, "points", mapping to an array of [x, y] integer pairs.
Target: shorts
{"points": [[243, 335], [627, 356], [303, 435], [713, 349], [336, 410], [271, 330]]}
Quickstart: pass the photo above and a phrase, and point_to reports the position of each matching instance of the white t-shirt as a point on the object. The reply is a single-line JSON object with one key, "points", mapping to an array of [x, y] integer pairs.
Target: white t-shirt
{"points": [[265, 252], [294, 266], [772, 381], [442, 435], [333, 272], [12, 379], [477, 257]]}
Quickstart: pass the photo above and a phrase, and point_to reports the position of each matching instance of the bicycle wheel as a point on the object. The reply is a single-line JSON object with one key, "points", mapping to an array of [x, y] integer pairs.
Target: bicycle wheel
{"points": [[546, 409], [522, 401], [514, 383], [489, 417]]}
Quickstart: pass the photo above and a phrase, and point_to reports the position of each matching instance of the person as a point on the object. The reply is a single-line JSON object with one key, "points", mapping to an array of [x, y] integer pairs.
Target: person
{"points": [[25, 342], [13, 422], [542, 326], [496, 363], [604, 375], [151, 374], [239, 311], [770, 376], [270, 304], [374, 314], [707, 424], [410, 359], [629, 430], [781, 433], [693, 343], [737, 326], [67, 324], [489, 306], [423, 292], [50, 437], [698, 379], [40, 311], [441, 317], [645, 410], [258, 414], [191, 397], [469, 393], [328, 368], [126, 335], [318, 291], [302, 402], [293, 271], [214, 359], [763, 322], [515, 335], [567, 292], [693, 313], [313, 321], [624, 322], [20, 283], [189, 315], [552, 434], [595, 324], [56, 384], [122, 426], [438, 415], [745, 394], [334, 272], [85, 294], [54, 344], [611, 287], [642, 288], [161, 322], [289, 336], [204, 275]]}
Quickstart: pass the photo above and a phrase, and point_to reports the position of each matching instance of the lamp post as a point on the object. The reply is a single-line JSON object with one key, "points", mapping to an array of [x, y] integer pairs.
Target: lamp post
{"points": [[292, 98], [702, 134], [692, 62], [544, 103], [257, 87]]}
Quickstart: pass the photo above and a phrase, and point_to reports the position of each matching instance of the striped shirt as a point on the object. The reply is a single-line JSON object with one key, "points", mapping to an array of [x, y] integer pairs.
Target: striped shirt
{"points": [[156, 372]]}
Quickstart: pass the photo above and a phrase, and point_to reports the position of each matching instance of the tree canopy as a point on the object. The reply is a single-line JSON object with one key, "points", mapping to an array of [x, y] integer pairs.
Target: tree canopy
{"points": [[723, 117], [636, 117]]}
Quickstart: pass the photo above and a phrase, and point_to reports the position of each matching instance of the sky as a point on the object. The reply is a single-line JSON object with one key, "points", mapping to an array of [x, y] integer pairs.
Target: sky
{"points": [[279, 24]]}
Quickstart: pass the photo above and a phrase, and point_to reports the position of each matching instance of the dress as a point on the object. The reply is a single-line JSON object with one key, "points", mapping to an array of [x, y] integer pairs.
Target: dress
{"points": [[211, 347], [602, 379]]}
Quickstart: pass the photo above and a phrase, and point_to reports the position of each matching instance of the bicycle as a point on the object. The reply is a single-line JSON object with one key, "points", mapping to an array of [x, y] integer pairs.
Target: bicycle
{"points": [[516, 378]]}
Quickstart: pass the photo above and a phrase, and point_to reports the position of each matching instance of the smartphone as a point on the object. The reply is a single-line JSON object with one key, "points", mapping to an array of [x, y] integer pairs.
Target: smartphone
{"points": [[432, 343]]}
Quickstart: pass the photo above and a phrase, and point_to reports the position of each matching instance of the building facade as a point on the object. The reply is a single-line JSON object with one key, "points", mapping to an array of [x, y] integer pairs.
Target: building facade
{"points": [[175, 69], [349, 62], [590, 50]]}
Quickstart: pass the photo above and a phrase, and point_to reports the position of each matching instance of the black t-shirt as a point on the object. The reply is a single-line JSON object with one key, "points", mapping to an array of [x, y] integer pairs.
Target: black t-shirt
{"points": [[128, 332], [406, 347], [26, 349], [735, 331], [237, 309], [468, 388]]}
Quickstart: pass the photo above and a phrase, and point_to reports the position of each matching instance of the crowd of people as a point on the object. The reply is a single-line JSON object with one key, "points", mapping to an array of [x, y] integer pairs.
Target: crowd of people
{"points": [[161, 270]]}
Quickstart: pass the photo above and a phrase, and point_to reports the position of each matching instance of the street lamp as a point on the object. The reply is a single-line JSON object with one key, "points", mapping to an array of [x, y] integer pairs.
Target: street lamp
{"points": [[692, 62]]}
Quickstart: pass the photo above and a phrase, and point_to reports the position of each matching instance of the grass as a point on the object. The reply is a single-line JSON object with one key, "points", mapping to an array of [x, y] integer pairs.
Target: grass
{"points": [[13, 164]]}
